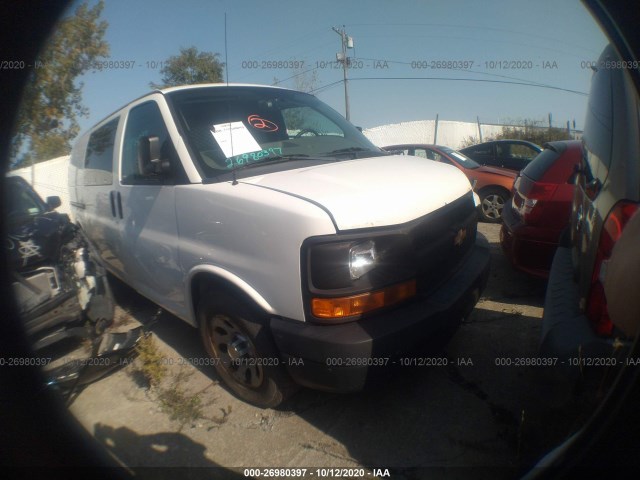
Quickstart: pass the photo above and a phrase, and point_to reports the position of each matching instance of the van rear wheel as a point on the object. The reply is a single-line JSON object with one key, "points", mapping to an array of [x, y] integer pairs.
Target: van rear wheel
{"points": [[246, 359]]}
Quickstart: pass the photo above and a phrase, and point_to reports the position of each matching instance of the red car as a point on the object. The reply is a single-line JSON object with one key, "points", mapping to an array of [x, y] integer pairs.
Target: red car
{"points": [[492, 184], [540, 207]]}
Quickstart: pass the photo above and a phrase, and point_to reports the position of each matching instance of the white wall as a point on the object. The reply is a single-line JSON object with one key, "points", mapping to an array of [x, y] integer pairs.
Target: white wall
{"points": [[450, 133]]}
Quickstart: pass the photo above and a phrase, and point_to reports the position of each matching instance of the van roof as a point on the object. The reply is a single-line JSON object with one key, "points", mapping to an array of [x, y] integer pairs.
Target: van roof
{"points": [[167, 90], [209, 85]]}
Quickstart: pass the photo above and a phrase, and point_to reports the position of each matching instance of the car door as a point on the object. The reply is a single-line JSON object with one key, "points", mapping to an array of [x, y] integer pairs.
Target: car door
{"points": [[484, 154], [515, 155], [503, 155], [146, 207]]}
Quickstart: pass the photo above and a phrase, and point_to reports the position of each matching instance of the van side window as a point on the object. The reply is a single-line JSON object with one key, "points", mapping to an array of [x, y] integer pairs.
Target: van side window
{"points": [[99, 158], [144, 121]]}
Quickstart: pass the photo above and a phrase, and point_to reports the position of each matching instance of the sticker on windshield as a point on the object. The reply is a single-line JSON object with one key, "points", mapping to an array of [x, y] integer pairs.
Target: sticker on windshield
{"points": [[234, 138], [262, 124], [459, 156], [247, 158]]}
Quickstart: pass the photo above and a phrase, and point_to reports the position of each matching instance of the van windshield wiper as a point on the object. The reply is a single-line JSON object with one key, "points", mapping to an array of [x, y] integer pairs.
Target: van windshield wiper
{"points": [[277, 159], [353, 151]]}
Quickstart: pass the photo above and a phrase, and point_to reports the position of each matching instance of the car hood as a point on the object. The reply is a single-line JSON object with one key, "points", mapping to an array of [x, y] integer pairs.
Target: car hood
{"points": [[497, 171], [37, 240], [372, 192]]}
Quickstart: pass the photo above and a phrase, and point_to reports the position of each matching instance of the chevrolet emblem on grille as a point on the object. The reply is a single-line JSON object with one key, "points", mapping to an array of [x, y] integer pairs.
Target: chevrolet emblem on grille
{"points": [[460, 236]]}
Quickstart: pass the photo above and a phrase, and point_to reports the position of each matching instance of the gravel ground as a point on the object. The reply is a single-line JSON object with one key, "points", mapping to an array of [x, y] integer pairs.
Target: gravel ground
{"points": [[473, 413]]}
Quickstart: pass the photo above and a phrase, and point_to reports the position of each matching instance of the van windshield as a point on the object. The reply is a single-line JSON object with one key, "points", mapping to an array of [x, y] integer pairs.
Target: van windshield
{"points": [[22, 202], [231, 127]]}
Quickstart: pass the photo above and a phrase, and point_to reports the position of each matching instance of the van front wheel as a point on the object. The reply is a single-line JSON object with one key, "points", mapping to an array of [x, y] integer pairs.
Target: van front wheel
{"points": [[244, 354]]}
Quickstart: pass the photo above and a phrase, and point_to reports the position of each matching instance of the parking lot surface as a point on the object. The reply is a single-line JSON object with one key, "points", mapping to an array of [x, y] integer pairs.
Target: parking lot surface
{"points": [[477, 405]]}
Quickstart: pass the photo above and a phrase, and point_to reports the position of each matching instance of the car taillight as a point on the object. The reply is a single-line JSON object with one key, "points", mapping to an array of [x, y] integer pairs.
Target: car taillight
{"points": [[533, 197], [596, 309]]}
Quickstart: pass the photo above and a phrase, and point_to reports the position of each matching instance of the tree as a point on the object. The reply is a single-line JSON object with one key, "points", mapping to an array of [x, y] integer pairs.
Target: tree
{"points": [[530, 130], [303, 83], [190, 67], [468, 141], [533, 131], [52, 99]]}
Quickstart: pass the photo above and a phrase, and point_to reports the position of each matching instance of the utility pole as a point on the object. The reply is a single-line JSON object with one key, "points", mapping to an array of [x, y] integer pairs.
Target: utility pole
{"points": [[347, 42]]}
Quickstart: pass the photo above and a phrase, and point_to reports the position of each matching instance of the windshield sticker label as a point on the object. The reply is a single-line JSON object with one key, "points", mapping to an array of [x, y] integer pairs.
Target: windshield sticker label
{"points": [[247, 158], [459, 156], [234, 139], [261, 124]]}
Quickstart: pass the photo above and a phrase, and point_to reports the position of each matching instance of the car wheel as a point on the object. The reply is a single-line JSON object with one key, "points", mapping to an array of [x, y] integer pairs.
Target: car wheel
{"points": [[492, 201], [244, 355]]}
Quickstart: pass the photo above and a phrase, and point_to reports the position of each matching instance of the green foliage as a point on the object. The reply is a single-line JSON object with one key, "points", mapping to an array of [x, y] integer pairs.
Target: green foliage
{"points": [[468, 141], [305, 81], [532, 131], [181, 406], [151, 362], [53, 98], [187, 407], [190, 67], [170, 389]]}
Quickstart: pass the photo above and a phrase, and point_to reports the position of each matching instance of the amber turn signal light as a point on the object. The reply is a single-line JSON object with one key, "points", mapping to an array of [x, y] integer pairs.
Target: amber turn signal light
{"points": [[341, 307]]}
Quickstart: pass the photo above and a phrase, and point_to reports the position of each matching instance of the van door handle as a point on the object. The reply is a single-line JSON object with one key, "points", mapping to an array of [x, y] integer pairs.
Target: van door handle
{"points": [[119, 200], [112, 195]]}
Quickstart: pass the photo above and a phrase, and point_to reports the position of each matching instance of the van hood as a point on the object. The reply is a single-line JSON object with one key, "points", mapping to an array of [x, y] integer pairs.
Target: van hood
{"points": [[372, 192]]}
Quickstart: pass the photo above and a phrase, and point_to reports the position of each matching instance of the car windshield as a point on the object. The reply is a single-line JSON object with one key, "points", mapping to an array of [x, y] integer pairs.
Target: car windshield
{"points": [[22, 202], [461, 158], [236, 127]]}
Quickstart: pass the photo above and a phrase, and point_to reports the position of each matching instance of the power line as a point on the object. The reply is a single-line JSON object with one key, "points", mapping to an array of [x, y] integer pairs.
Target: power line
{"points": [[551, 87], [457, 69], [475, 27], [294, 76]]}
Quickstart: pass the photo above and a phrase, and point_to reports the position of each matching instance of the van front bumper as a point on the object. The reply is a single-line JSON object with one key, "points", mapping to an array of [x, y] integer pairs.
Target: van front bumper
{"points": [[345, 357]]}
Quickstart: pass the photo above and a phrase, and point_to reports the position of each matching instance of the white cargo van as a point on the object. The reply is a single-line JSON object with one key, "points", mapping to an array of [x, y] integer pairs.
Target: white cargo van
{"points": [[303, 253]]}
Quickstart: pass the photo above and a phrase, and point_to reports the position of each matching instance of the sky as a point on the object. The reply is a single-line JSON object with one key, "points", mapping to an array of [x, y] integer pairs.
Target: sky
{"points": [[402, 56]]}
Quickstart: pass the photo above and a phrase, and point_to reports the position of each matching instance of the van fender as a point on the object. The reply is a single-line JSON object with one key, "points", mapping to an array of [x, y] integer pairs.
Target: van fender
{"points": [[223, 278]]}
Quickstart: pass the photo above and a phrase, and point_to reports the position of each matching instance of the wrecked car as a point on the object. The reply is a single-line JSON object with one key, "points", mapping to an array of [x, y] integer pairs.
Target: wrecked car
{"points": [[59, 290]]}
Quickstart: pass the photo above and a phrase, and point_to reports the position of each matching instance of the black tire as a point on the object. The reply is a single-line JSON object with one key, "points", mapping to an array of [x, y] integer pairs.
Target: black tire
{"points": [[492, 201], [246, 359]]}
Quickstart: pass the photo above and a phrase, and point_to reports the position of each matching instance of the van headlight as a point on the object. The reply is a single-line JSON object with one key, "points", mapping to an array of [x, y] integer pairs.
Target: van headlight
{"points": [[362, 259], [346, 276]]}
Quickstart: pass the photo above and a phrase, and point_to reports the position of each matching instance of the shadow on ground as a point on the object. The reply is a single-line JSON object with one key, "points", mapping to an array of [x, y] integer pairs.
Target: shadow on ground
{"points": [[154, 456]]}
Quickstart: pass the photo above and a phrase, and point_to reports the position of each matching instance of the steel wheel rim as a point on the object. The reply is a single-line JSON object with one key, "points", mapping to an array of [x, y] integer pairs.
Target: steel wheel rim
{"points": [[235, 351], [492, 206]]}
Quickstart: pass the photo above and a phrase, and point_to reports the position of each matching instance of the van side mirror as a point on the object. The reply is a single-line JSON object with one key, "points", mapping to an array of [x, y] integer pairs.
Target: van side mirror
{"points": [[359, 129], [53, 202], [149, 161]]}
